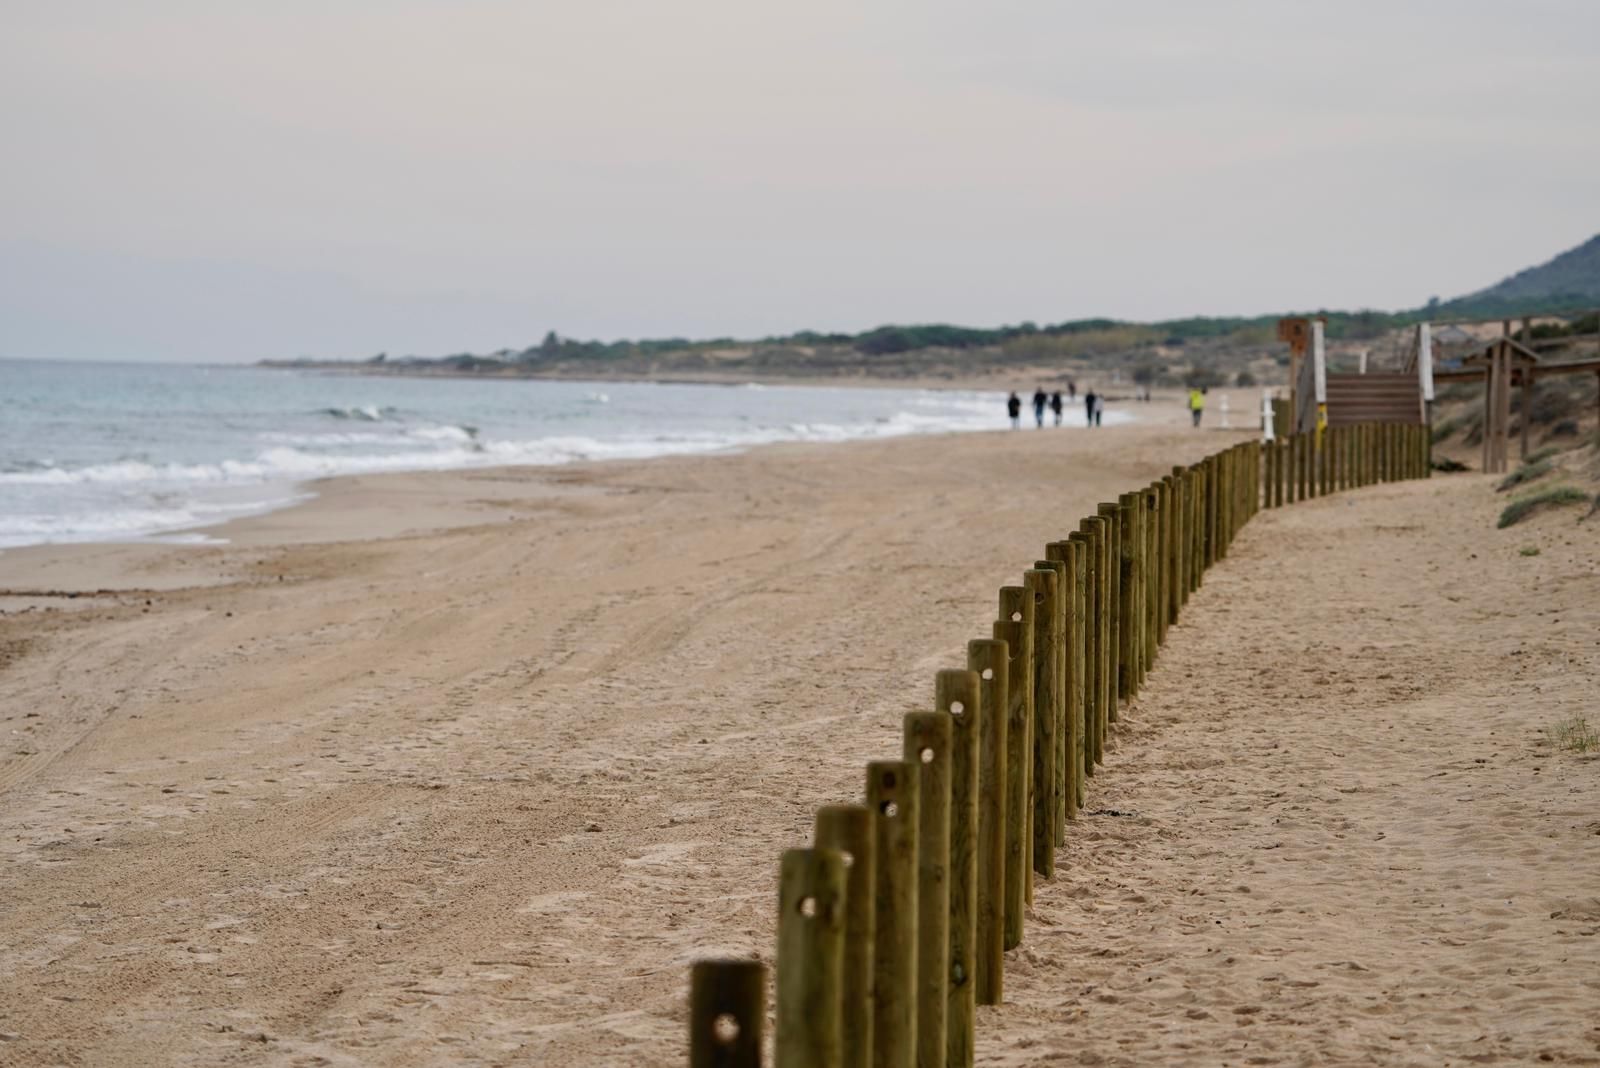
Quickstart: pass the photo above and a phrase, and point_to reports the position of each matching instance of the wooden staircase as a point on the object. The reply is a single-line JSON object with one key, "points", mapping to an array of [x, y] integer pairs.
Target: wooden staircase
{"points": [[1374, 398]]}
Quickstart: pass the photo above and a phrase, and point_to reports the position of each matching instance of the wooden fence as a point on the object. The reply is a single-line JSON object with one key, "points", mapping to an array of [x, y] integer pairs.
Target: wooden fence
{"points": [[892, 926]]}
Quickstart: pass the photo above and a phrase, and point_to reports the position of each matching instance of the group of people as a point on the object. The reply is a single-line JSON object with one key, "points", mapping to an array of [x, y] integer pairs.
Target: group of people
{"points": [[1093, 405]]}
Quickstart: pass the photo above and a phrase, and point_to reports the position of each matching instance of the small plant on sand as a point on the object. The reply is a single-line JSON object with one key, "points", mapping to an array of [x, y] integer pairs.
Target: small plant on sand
{"points": [[1526, 473], [1575, 734], [1444, 463], [1540, 455], [1522, 507], [1528, 550]]}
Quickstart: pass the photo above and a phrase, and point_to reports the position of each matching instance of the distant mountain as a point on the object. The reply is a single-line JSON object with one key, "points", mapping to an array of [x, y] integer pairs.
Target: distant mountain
{"points": [[1570, 281]]}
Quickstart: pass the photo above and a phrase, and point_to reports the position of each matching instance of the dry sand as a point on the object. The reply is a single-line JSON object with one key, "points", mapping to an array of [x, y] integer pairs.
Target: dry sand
{"points": [[478, 793]]}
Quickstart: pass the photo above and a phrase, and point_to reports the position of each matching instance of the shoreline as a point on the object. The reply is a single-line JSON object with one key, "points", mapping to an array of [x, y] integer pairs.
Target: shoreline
{"points": [[1161, 411]]}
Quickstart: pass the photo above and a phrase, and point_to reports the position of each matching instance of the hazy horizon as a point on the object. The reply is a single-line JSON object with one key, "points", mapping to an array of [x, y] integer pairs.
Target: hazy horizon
{"points": [[199, 183]]}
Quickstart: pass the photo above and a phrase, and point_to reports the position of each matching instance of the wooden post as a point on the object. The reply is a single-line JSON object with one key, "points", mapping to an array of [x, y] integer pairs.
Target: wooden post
{"points": [[1016, 628], [1055, 560], [1093, 527], [1077, 668], [1042, 584], [810, 959], [1164, 510], [1069, 591], [892, 796], [1150, 568], [991, 660], [1271, 448], [1127, 618], [727, 1012], [849, 830], [1208, 524], [957, 696], [1113, 615], [1175, 547], [927, 741]]}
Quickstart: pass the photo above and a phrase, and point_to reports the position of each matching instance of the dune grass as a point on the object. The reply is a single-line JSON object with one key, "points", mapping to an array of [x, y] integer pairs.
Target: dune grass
{"points": [[1552, 497], [1576, 735], [1528, 472], [1541, 455]]}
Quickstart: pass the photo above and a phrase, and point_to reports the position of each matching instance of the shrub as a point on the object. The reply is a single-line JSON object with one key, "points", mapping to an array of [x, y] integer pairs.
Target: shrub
{"points": [[1555, 496], [1540, 455]]}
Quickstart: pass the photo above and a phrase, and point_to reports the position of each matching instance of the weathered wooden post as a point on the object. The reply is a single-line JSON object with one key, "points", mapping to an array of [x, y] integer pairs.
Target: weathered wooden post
{"points": [[1016, 629], [1058, 666], [927, 741], [1274, 453], [1164, 557], [957, 696], [849, 830], [727, 1012], [1082, 546], [811, 888], [1173, 566], [1283, 491], [1127, 609], [1042, 583], [1062, 552], [892, 796], [1113, 614], [991, 660], [1183, 481], [1152, 574], [1291, 493], [1093, 528]]}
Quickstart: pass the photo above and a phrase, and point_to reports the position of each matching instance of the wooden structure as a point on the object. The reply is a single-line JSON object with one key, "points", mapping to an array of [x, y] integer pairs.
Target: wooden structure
{"points": [[1508, 363], [1319, 397]]}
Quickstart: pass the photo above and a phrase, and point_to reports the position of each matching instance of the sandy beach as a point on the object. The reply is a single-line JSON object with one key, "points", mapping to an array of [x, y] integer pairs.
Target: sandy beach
{"points": [[467, 767]]}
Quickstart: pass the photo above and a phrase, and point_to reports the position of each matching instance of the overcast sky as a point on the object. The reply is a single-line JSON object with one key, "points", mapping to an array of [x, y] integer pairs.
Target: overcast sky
{"points": [[219, 180]]}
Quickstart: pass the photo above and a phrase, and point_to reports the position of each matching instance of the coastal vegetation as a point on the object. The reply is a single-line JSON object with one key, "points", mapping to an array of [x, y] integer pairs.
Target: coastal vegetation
{"points": [[1190, 351]]}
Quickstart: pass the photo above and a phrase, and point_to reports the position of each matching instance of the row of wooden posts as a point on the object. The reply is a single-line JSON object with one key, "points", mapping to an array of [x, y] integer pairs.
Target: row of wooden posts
{"points": [[893, 925]]}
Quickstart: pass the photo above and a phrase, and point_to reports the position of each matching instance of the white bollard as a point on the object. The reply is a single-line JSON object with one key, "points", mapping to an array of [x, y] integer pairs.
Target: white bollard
{"points": [[1266, 415], [1225, 411]]}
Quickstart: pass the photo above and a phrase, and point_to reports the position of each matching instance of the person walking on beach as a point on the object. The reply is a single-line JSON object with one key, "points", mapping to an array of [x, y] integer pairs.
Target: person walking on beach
{"points": [[1055, 405], [1072, 389], [1099, 407], [1014, 409], [1039, 401], [1197, 404], [1090, 402]]}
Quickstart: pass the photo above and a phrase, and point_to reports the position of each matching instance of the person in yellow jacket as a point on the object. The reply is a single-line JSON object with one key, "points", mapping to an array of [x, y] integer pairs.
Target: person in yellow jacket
{"points": [[1197, 404]]}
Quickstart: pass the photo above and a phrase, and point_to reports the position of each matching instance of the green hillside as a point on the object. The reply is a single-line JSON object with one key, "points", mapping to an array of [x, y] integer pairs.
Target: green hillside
{"points": [[1569, 281]]}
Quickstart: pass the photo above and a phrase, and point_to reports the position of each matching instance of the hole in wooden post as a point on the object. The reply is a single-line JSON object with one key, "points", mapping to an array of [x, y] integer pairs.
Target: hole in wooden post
{"points": [[988, 674], [808, 907], [890, 809], [927, 756], [849, 858], [888, 780], [1016, 617], [956, 708], [725, 1029]]}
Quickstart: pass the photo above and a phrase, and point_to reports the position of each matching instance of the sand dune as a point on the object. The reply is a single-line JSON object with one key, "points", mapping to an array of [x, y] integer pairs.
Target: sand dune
{"points": [[478, 790]]}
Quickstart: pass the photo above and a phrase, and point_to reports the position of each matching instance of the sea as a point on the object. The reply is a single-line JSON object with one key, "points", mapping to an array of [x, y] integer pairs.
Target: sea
{"points": [[128, 451]]}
